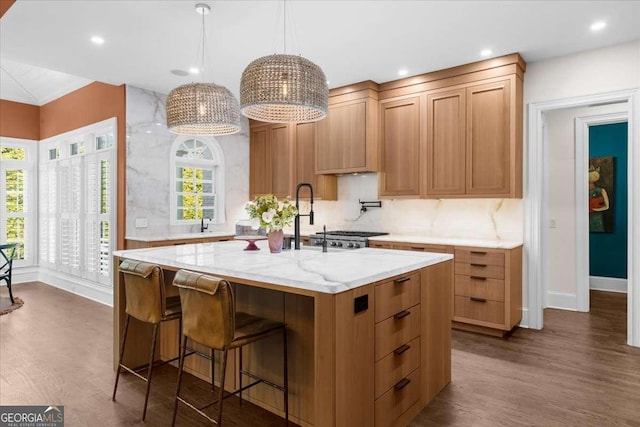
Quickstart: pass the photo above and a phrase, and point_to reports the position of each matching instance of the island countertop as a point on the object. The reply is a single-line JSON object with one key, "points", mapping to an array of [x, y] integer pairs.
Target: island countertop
{"points": [[307, 269]]}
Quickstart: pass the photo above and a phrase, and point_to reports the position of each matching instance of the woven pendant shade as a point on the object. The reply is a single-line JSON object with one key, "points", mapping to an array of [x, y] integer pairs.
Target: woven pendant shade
{"points": [[283, 89], [202, 109]]}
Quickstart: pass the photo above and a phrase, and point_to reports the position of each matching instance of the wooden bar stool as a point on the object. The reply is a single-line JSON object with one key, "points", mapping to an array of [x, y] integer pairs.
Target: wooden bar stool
{"points": [[209, 318], [146, 301]]}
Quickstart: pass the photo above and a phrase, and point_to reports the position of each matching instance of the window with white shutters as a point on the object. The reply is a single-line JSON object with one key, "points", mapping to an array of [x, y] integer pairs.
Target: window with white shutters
{"points": [[77, 200], [197, 174], [17, 197]]}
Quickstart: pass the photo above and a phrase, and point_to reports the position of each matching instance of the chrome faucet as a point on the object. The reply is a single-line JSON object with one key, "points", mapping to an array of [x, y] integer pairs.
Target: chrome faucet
{"points": [[202, 226], [296, 222]]}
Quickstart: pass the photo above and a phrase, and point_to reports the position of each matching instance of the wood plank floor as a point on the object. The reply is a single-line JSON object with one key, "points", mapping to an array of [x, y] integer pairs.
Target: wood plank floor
{"points": [[577, 371]]}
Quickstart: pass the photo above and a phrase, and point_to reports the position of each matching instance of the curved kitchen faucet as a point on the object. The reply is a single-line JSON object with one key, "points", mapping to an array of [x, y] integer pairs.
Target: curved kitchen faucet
{"points": [[296, 222]]}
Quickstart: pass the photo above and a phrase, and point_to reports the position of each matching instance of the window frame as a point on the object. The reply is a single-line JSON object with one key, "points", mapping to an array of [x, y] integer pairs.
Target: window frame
{"points": [[217, 164], [30, 165]]}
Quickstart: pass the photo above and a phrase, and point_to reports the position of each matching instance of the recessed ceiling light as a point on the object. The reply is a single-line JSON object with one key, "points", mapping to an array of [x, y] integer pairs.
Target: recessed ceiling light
{"points": [[597, 26], [194, 70], [486, 52], [327, 82], [97, 40], [147, 131], [158, 124], [403, 72]]}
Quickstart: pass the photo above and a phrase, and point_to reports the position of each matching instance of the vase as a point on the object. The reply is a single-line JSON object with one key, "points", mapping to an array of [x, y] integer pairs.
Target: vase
{"points": [[275, 239]]}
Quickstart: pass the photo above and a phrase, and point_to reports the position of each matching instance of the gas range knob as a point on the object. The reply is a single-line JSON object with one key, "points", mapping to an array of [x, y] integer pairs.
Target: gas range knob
{"points": [[339, 244], [350, 245], [334, 244], [317, 243], [356, 245]]}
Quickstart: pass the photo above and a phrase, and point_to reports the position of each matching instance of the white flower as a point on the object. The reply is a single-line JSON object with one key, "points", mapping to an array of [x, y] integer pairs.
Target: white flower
{"points": [[255, 223], [267, 216]]}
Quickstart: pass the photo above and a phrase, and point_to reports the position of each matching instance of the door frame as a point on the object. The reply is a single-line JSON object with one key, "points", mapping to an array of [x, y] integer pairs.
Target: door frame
{"points": [[582, 126], [535, 205]]}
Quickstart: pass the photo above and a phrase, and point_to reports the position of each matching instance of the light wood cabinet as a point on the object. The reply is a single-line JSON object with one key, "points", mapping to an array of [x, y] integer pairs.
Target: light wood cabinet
{"points": [[469, 132], [347, 139], [201, 238], [446, 143], [283, 155], [487, 289], [400, 148]]}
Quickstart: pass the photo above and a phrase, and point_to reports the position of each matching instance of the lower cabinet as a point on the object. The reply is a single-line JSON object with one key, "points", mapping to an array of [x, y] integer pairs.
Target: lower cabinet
{"points": [[487, 291], [138, 244]]}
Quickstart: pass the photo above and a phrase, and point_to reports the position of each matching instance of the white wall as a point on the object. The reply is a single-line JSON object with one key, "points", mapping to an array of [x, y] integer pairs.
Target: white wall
{"points": [[561, 203]]}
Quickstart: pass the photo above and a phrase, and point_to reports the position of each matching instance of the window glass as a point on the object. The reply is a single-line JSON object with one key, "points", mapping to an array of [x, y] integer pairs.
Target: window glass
{"points": [[104, 141], [13, 153], [54, 154]]}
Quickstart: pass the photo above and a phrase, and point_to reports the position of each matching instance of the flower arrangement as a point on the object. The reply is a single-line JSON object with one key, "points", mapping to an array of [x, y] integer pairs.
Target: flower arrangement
{"points": [[269, 213]]}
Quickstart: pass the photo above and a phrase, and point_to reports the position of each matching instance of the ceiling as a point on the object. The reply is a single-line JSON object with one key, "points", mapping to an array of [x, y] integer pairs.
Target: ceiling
{"points": [[351, 40]]}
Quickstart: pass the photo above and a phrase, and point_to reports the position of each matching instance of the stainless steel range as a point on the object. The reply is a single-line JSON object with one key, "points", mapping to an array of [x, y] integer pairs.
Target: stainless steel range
{"points": [[344, 239]]}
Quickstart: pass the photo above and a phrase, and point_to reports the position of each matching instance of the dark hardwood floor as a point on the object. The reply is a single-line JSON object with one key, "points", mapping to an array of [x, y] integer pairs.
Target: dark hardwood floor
{"points": [[577, 371]]}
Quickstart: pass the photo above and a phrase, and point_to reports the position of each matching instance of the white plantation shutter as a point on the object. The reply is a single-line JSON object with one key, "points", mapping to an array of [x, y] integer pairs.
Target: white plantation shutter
{"points": [[77, 199]]}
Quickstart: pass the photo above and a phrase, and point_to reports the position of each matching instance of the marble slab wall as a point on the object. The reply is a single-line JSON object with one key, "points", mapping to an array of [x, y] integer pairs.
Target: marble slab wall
{"points": [[148, 175], [495, 219]]}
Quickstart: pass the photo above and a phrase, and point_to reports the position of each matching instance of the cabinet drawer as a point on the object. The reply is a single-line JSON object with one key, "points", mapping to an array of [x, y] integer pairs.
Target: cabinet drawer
{"points": [[396, 365], [486, 311], [419, 247], [473, 256], [397, 400], [396, 295], [481, 287], [396, 330], [480, 270]]}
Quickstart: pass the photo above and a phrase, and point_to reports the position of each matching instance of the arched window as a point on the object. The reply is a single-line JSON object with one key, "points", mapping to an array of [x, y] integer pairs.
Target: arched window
{"points": [[197, 177]]}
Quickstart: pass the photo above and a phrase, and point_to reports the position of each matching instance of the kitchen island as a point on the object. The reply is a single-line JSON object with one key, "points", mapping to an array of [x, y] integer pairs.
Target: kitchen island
{"points": [[369, 329]]}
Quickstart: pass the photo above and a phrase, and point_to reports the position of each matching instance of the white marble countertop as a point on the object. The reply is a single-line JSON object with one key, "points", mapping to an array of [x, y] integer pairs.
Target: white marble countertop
{"points": [[180, 236], [481, 243], [309, 269]]}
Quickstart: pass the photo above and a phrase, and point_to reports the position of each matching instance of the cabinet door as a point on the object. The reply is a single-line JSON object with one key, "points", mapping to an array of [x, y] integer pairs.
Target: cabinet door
{"points": [[259, 162], [324, 186], [342, 138], [400, 138], [445, 166], [282, 165], [488, 143]]}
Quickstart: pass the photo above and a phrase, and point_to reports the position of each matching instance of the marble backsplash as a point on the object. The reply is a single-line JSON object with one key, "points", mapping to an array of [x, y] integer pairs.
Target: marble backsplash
{"points": [[499, 219]]}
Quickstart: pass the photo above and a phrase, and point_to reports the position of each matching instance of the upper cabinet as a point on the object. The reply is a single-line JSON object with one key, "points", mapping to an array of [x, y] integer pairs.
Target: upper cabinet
{"points": [[347, 139], [283, 155], [469, 137]]}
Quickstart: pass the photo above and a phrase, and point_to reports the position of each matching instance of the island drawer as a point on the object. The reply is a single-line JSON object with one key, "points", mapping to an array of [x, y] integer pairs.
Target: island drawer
{"points": [[396, 331], [397, 400], [480, 287], [478, 309], [396, 294], [479, 256], [396, 365], [480, 270]]}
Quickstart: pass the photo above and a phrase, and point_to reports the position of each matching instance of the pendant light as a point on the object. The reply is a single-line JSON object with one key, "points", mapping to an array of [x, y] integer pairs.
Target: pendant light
{"points": [[283, 88], [202, 108]]}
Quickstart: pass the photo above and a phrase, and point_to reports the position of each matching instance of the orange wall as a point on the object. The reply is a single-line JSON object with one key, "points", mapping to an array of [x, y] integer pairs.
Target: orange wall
{"points": [[5, 5], [90, 104], [19, 120]]}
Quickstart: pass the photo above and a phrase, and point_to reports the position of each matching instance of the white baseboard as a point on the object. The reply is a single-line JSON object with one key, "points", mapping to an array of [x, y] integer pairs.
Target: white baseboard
{"points": [[524, 322], [562, 301], [610, 284], [77, 286], [25, 274]]}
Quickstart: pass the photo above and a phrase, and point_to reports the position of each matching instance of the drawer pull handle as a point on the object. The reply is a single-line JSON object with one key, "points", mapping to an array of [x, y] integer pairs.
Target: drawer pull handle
{"points": [[477, 278], [417, 248], [479, 265], [478, 252], [402, 384], [478, 299], [402, 280], [403, 313], [398, 351]]}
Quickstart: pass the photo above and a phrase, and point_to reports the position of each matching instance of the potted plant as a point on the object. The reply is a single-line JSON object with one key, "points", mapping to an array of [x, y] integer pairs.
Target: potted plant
{"points": [[273, 215]]}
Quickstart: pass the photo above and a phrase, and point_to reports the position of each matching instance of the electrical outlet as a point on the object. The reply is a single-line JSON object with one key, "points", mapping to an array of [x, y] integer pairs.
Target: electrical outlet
{"points": [[552, 223], [142, 223]]}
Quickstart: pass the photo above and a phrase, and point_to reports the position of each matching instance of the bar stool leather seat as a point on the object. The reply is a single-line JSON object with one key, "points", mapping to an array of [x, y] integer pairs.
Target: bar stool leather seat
{"points": [[145, 301], [209, 318]]}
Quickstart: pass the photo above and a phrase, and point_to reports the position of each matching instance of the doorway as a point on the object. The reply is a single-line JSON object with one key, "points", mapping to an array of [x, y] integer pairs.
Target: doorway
{"points": [[536, 217]]}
